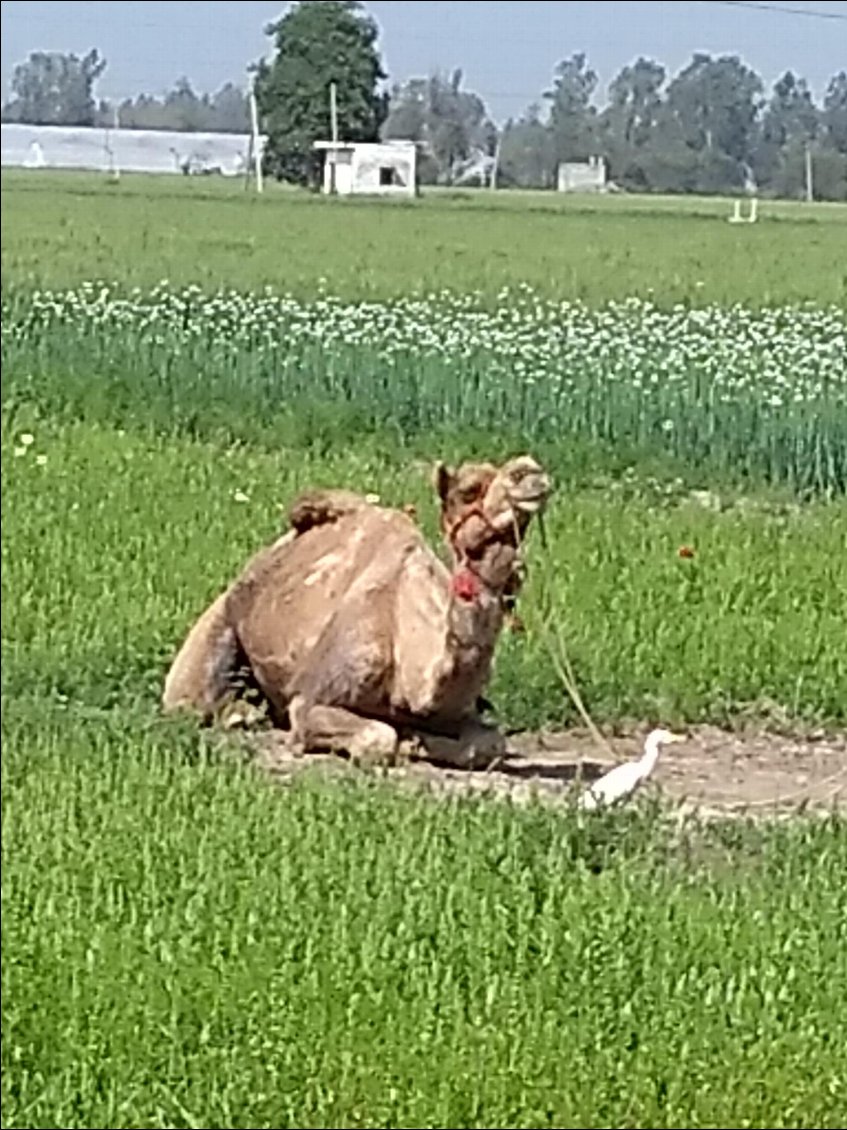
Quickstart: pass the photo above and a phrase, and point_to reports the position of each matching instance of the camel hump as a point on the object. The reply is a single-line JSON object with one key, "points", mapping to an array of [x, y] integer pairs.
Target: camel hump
{"points": [[322, 507]]}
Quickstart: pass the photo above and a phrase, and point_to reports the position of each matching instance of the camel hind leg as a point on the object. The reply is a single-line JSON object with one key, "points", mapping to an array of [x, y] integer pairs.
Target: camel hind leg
{"points": [[201, 676]]}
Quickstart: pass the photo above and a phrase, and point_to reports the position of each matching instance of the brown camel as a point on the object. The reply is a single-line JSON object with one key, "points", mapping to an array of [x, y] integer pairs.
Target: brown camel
{"points": [[356, 632]]}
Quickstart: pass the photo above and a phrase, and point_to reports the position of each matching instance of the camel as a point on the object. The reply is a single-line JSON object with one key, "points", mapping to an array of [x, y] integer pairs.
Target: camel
{"points": [[358, 635]]}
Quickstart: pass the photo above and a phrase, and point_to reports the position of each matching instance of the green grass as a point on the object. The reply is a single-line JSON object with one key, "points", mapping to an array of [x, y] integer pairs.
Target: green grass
{"points": [[184, 947], [61, 229], [126, 538], [184, 944]]}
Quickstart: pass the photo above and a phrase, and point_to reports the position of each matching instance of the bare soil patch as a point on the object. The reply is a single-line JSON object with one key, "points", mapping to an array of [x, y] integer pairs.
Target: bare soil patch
{"points": [[715, 772]]}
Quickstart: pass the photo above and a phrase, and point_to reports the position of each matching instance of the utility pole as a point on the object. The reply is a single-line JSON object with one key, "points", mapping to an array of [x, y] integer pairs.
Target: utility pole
{"points": [[495, 168], [255, 143], [114, 167], [333, 121], [810, 190]]}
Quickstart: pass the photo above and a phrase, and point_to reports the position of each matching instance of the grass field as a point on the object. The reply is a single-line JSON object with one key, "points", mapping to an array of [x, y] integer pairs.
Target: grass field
{"points": [[63, 229], [184, 945]]}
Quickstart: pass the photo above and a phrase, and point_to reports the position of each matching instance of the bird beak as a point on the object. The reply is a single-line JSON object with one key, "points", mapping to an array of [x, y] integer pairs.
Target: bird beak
{"points": [[678, 738]]}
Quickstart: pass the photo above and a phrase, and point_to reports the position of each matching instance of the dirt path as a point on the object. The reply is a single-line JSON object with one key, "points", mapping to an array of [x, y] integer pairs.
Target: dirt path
{"points": [[716, 772]]}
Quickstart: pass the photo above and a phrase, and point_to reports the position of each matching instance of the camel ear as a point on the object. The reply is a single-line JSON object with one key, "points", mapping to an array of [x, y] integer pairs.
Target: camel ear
{"points": [[442, 477]]}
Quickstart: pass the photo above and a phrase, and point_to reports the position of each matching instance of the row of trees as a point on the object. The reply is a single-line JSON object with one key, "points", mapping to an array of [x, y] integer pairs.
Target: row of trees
{"points": [[710, 128], [52, 89], [226, 111]]}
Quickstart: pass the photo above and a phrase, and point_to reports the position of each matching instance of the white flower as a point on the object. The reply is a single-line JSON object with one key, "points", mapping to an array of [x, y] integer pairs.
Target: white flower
{"points": [[41, 460], [20, 451], [27, 440], [240, 496]]}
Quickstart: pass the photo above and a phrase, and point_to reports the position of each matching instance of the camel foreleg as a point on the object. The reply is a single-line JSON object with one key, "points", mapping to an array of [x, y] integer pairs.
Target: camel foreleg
{"points": [[332, 729]]}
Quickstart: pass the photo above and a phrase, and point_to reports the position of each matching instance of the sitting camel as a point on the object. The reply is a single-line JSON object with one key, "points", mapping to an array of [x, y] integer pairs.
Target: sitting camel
{"points": [[358, 634]]}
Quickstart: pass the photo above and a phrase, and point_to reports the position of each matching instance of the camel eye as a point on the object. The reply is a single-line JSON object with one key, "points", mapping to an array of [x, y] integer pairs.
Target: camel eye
{"points": [[470, 494]]}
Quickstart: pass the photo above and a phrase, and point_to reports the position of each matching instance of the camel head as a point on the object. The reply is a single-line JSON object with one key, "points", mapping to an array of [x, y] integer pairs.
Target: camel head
{"points": [[461, 490], [507, 496], [517, 492], [485, 514]]}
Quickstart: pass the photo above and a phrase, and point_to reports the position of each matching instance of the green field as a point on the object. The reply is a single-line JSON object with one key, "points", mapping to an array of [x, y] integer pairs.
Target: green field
{"points": [[61, 229], [186, 945]]}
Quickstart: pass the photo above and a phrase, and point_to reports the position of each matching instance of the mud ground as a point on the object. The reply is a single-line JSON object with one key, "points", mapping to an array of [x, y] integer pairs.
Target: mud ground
{"points": [[713, 772]]}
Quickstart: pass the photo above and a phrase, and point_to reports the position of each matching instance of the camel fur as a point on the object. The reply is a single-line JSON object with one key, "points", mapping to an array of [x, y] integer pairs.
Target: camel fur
{"points": [[356, 632]]}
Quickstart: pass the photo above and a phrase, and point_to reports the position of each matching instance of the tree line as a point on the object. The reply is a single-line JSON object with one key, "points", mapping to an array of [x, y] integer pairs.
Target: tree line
{"points": [[55, 89], [711, 128]]}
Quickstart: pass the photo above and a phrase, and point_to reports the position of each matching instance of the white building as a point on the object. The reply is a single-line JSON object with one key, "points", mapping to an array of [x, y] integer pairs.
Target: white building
{"points": [[582, 176], [385, 168]]}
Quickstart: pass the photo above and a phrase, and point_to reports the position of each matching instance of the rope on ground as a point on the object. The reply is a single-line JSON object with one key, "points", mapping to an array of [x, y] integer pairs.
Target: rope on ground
{"points": [[560, 657]]}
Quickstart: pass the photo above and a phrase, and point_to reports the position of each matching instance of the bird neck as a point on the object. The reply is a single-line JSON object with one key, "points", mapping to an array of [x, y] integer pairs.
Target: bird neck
{"points": [[651, 755]]}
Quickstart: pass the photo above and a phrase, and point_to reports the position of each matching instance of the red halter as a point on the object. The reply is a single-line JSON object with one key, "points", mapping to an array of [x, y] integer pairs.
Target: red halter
{"points": [[465, 583]]}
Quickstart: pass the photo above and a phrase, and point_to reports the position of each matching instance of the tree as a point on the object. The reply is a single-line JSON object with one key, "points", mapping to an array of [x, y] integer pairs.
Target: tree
{"points": [[789, 124], [830, 173], [667, 163], [526, 152], [835, 112], [319, 42], [451, 125], [627, 127], [830, 158], [635, 101], [182, 109], [54, 89], [145, 112], [715, 103], [230, 111], [571, 112], [185, 110]]}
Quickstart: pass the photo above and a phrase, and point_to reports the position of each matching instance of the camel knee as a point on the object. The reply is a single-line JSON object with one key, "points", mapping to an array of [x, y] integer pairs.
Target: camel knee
{"points": [[376, 743], [333, 729]]}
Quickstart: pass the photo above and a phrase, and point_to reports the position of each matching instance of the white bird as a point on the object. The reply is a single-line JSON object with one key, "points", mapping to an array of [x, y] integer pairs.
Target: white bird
{"points": [[624, 779]]}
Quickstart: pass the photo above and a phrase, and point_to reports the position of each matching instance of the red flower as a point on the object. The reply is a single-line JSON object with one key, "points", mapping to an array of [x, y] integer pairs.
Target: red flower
{"points": [[685, 551]]}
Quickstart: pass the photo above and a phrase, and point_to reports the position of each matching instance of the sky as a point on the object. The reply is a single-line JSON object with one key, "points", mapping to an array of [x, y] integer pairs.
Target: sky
{"points": [[507, 49]]}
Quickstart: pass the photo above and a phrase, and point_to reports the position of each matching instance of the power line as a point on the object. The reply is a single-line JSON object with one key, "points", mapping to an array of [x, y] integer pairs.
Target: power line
{"points": [[816, 13]]}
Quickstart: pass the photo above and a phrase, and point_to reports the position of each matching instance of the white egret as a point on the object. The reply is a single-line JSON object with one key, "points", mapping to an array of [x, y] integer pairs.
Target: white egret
{"points": [[624, 779]]}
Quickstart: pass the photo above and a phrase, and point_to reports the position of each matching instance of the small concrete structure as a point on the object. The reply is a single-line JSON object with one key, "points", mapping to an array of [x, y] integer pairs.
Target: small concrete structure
{"points": [[384, 168], [582, 176]]}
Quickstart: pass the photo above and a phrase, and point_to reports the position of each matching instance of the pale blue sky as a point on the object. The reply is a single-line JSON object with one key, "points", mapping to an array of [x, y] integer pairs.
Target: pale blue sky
{"points": [[507, 49]]}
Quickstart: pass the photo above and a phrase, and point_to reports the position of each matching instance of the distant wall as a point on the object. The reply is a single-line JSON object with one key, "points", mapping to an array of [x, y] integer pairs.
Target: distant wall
{"points": [[138, 151]]}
